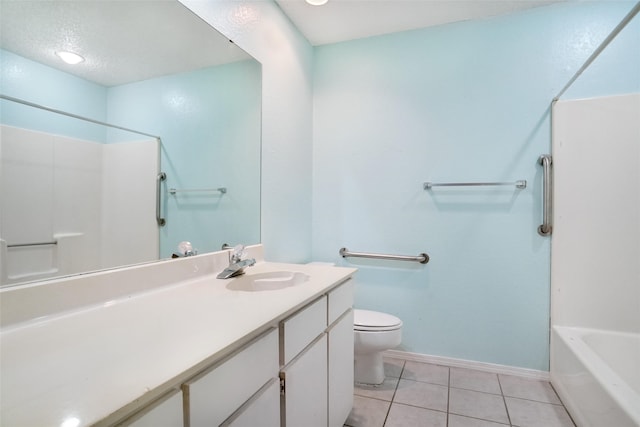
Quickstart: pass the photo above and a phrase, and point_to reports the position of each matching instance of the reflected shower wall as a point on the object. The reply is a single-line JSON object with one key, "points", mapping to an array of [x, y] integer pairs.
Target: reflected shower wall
{"points": [[71, 205]]}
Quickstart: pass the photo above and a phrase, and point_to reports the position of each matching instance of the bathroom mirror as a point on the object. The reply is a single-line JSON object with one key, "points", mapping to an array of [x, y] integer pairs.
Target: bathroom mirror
{"points": [[79, 196]]}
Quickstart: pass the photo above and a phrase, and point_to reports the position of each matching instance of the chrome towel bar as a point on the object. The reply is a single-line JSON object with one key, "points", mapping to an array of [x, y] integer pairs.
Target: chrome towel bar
{"points": [[422, 258], [222, 190], [429, 185]]}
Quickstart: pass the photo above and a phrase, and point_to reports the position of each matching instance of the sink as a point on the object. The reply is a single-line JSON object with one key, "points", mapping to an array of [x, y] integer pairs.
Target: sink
{"points": [[270, 281]]}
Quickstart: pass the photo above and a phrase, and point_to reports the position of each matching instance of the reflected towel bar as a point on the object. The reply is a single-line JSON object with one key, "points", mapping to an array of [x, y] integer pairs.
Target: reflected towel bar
{"points": [[429, 185], [22, 245], [222, 190], [422, 258]]}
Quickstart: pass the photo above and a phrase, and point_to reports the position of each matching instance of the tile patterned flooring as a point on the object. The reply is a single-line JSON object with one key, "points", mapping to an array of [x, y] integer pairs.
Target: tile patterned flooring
{"points": [[418, 394]]}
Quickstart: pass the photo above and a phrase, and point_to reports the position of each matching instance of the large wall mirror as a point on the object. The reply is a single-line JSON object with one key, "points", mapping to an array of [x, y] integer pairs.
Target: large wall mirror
{"points": [[166, 95]]}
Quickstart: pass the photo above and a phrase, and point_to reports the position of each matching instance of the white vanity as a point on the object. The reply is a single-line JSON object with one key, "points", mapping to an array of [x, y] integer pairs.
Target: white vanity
{"points": [[168, 344]]}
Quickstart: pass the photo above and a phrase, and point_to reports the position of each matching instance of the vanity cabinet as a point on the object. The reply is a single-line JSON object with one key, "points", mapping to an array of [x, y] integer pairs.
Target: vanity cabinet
{"points": [[298, 374]]}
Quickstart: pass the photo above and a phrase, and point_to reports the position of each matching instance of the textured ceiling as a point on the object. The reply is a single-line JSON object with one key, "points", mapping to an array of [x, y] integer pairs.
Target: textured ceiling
{"points": [[130, 40], [123, 41], [341, 20]]}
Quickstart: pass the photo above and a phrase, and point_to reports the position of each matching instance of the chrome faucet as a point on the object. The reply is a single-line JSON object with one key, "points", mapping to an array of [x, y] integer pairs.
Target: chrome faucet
{"points": [[236, 264]]}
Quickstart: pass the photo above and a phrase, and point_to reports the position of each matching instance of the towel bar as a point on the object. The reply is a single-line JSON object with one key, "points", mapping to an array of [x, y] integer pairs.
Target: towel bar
{"points": [[422, 258]]}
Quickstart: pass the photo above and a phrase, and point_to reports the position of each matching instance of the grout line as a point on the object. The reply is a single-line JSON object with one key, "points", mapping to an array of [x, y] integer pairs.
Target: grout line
{"points": [[448, 392], [404, 362], [478, 391], [504, 400], [484, 420], [563, 405], [422, 407]]}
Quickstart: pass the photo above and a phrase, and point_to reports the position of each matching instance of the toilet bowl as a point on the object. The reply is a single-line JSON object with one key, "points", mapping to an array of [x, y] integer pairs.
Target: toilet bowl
{"points": [[374, 332]]}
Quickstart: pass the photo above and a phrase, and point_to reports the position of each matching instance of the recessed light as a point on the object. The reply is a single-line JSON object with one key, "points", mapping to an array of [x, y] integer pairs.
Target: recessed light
{"points": [[317, 2], [70, 57]]}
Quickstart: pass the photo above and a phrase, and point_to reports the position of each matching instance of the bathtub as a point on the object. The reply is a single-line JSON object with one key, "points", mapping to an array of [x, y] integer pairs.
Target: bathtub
{"points": [[597, 375]]}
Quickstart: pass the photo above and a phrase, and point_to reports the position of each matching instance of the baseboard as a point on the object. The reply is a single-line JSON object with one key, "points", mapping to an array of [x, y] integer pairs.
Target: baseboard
{"points": [[469, 364]]}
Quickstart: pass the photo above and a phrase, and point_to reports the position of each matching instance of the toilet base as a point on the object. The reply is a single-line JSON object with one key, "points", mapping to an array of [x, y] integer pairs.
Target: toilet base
{"points": [[369, 369]]}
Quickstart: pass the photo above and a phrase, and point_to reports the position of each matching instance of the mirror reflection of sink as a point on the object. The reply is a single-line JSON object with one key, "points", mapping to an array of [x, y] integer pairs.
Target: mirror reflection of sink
{"points": [[270, 281]]}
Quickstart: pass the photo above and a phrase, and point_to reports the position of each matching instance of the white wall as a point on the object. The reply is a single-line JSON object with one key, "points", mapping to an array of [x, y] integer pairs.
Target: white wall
{"points": [[129, 226], [595, 262], [262, 30]]}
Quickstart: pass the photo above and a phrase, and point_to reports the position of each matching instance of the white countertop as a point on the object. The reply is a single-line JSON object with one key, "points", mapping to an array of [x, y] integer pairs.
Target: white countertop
{"points": [[91, 362]]}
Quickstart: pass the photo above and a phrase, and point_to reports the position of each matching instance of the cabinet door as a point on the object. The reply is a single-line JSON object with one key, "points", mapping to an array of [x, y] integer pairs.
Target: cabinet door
{"points": [[340, 369], [263, 409], [305, 381]]}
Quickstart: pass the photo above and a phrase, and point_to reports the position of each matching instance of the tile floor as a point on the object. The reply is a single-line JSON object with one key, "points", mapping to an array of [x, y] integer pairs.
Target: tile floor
{"points": [[418, 394]]}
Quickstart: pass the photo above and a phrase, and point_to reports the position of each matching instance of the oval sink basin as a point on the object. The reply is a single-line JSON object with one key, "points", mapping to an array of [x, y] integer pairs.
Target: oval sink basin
{"points": [[271, 281]]}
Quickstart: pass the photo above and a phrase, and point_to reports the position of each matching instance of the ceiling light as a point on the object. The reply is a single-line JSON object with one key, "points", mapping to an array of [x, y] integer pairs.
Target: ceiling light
{"points": [[317, 2], [70, 57]]}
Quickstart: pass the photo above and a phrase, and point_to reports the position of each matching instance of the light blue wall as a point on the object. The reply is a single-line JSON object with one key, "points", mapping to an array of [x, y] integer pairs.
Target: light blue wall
{"points": [[209, 121], [461, 102], [39, 84]]}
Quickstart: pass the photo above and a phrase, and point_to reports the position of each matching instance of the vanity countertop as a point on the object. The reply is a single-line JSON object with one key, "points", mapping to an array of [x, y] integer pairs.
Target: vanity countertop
{"points": [[91, 362]]}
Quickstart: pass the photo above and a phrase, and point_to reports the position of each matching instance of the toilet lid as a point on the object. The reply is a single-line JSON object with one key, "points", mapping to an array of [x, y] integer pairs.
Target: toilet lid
{"points": [[367, 320]]}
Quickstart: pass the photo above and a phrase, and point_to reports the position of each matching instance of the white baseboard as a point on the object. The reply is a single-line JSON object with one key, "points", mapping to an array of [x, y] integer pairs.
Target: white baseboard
{"points": [[469, 364]]}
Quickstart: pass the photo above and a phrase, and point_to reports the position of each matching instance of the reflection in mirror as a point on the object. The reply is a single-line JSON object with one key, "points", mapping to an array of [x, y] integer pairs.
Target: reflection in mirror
{"points": [[87, 191]]}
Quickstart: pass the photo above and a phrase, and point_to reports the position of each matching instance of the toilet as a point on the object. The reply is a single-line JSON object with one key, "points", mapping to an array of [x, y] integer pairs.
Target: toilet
{"points": [[374, 332]]}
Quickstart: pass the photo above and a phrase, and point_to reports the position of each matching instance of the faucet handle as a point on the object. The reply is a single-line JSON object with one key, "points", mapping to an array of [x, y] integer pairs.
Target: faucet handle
{"points": [[238, 253]]}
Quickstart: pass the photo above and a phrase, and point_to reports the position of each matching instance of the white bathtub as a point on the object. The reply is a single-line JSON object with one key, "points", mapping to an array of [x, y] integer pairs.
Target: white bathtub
{"points": [[597, 375]]}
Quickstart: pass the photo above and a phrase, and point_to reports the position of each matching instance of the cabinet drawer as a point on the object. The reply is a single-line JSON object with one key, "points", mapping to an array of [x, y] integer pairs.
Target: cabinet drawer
{"points": [[214, 395], [340, 300], [299, 330]]}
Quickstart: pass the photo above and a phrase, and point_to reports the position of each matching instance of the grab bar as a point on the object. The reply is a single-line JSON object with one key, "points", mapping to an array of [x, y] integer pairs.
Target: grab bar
{"points": [[161, 177], [22, 245], [422, 258], [222, 190], [546, 227], [429, 185]]}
